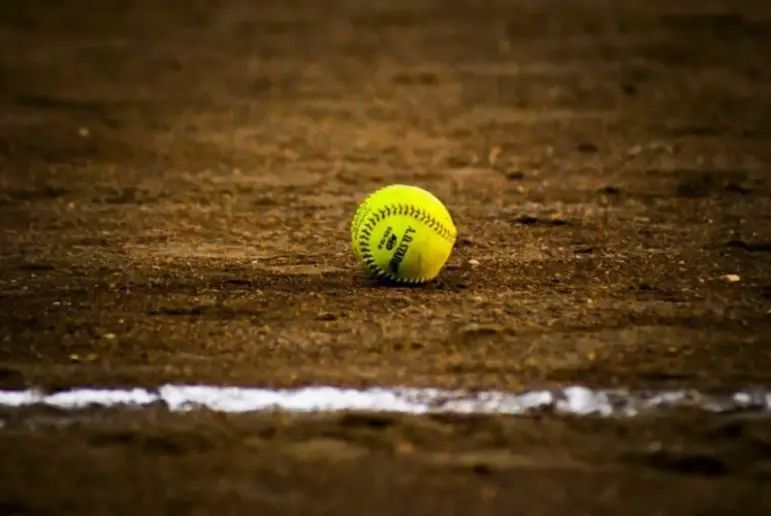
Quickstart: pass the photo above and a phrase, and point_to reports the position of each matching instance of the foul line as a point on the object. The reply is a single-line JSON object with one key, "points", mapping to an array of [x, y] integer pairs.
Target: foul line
{"points": [[574, 400]]}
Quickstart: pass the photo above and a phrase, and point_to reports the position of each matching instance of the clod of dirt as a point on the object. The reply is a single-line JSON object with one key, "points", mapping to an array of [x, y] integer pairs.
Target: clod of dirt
{"points": [[36, 266], [737, 187], [483, 329], [759, 247], [629, 89], [687, 464], [515, 175], [367, 421], [127, 195], [46, 192], [731, 430], [459, 161], [587, 147], [184, 311], [537, 221], [609, 190]]}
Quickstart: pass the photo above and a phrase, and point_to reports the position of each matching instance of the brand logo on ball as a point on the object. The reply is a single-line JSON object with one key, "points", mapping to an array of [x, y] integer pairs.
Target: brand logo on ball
{"points": [[398, 256], [385, 241]]}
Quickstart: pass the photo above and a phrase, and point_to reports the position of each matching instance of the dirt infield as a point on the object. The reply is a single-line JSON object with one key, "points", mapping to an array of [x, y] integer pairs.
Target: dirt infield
{"points": [[176, 184]]}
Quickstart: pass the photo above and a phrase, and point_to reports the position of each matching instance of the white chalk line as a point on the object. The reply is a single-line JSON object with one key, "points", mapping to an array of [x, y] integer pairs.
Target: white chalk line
{"points": [[574, 400]]}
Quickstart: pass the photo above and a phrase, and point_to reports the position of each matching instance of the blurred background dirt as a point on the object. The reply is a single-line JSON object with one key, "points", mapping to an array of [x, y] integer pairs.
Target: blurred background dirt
{"points": [[176, 184]]}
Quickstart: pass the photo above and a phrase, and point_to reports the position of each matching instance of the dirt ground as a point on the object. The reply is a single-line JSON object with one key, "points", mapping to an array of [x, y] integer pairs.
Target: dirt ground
{"points": [[176, 183]]}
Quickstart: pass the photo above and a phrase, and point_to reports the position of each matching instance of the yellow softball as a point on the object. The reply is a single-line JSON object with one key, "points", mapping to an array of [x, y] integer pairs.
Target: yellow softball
{"points": [[403, 233]]}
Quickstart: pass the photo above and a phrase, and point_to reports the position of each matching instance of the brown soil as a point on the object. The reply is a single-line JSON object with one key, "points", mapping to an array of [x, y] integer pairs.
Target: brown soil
{"points": [[176, 185]]}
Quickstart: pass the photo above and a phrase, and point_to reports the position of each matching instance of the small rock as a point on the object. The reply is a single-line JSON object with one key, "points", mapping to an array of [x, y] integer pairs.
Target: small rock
{"points": [[473, 262], [731, 278], [634, 151], [655, 446], [109, 336], [493, 155], [661, 147], [291, 154], [482, 329], [404, 448]]}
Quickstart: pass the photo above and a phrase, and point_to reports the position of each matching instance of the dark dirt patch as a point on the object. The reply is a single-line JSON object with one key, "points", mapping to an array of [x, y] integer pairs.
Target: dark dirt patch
{"points": [[176, 184]]}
